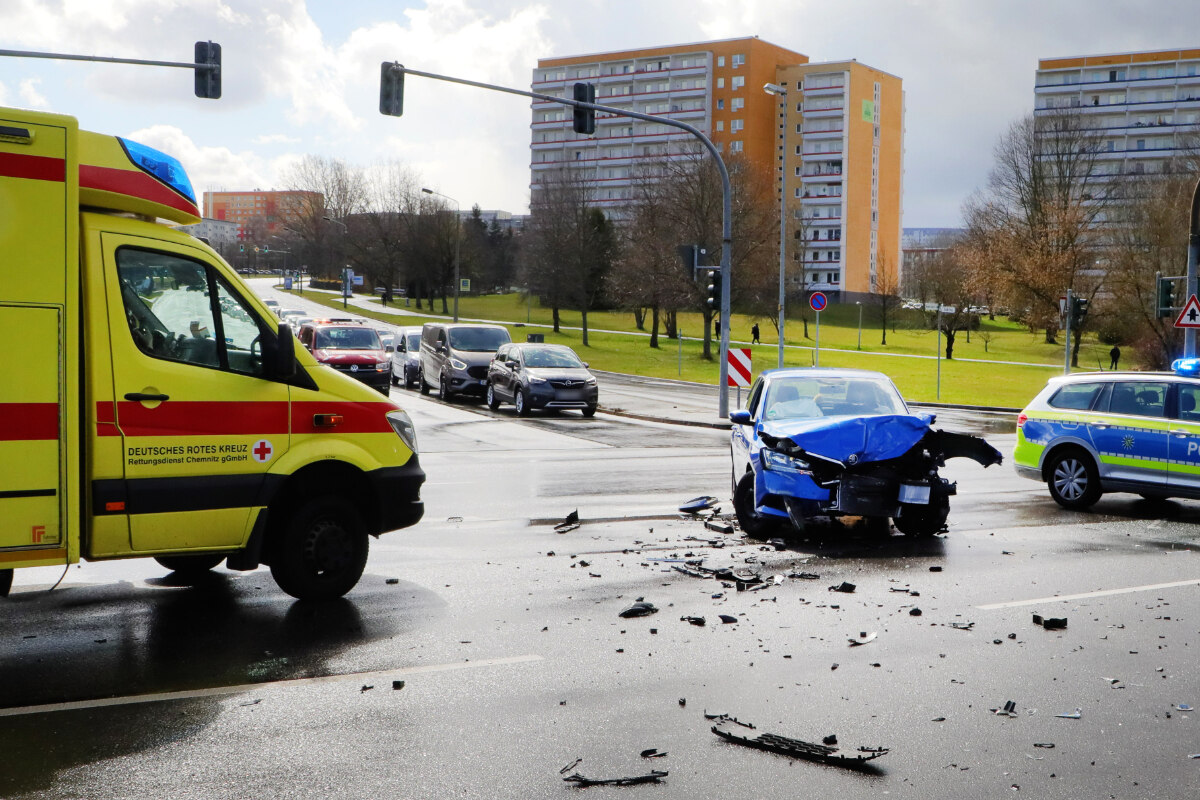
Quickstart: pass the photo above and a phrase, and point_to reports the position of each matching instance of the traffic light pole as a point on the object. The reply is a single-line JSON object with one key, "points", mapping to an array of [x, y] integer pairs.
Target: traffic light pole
{"points": [[1070, 313], [726, 199], [207, 65]]}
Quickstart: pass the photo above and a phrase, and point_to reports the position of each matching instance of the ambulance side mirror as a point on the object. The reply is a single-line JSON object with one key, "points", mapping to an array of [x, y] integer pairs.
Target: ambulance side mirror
{"points": [[280, 361]]}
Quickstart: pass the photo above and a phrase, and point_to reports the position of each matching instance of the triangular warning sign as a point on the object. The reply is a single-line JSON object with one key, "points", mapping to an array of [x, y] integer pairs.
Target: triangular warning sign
{"points": [[1189, 317]]}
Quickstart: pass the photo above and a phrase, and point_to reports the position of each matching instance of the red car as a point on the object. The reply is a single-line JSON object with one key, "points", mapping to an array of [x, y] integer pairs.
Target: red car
{"points": [[349, 346]]}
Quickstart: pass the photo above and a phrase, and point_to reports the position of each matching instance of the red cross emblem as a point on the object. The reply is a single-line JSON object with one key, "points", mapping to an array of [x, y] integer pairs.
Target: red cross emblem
{"points": [[262, 451]]}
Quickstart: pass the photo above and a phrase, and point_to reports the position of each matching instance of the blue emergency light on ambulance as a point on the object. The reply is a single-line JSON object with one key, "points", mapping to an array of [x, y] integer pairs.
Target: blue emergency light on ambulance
{"points": [[162, 166]]}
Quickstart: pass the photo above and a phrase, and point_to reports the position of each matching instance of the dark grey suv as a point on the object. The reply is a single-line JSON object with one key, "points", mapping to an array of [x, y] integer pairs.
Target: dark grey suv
{"points": [[548, 376]]}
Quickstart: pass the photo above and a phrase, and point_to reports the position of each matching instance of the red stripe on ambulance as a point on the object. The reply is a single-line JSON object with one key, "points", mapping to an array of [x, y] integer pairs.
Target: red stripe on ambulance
{"points": [[35, 168], [25, 422]]}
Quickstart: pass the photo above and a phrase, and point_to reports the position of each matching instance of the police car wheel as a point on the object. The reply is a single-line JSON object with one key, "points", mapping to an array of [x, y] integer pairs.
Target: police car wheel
{"points": [[752, 523], [493, 402], [191, 565], [1072, 479], [322, 550]]}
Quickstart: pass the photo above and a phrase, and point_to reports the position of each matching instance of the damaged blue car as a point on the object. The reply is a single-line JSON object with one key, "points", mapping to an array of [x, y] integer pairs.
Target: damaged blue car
{"points": [[841, 443]]}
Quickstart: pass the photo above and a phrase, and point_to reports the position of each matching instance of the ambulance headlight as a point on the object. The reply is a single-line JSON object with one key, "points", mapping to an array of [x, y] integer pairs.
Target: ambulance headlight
{"points": [[404, 428], [780, 463]]}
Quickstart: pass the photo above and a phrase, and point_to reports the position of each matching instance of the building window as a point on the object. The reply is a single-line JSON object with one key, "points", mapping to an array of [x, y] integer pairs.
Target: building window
{"points": [[735, 147], [737, 82], [738, 104], [720, 83], [720, 61], [736, 125], [738, 60], [720, 104], [720, 124]]}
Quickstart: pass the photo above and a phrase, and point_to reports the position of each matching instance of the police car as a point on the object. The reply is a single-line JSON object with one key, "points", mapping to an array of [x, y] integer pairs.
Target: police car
{"points": [[1134, 432]]}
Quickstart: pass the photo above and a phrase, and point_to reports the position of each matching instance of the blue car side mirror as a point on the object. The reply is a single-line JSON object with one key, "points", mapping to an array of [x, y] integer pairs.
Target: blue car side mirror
{"points": [[740, 417]]}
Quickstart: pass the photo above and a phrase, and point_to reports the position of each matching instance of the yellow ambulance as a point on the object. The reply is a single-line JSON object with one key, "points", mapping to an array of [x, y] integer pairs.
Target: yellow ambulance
{"points": [[150, 405]]}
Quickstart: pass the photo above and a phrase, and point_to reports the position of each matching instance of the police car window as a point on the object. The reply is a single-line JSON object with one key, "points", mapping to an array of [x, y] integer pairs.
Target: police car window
{"points": [[1076, 396], [755, 395], [167, 306], [1143, 399], [1189, 402]]}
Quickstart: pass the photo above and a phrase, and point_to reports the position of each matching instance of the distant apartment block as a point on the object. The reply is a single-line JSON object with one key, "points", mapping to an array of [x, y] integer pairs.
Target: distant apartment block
{"points": [[838, 139], [258, 214], [220, 234], [1145, 106]]}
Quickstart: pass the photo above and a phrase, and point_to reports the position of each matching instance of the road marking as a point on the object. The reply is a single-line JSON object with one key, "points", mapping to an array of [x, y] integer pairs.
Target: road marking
{"points": [[1150, 587], [218, 691]]}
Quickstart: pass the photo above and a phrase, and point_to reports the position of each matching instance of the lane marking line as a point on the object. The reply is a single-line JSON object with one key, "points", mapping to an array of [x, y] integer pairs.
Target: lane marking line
{"points": [[218, 691], [1103, 593]]}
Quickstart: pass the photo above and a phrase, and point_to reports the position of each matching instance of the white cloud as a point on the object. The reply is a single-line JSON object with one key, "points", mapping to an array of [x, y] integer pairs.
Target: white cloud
{"points": [[275, 138], [210, 168], [30, 95]]}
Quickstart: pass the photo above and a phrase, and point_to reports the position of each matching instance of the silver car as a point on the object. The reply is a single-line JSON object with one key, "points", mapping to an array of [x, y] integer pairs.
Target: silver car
{"points": [[406, 357]]}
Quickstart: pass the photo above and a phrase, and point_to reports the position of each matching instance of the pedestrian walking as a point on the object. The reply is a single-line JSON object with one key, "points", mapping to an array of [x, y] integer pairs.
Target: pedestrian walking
{"points": [[754, 334], [1115, 356], [717, 327]]}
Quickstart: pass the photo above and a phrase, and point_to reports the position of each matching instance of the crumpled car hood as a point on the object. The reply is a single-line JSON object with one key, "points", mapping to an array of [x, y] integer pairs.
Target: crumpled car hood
{"points": [[876, 438]]}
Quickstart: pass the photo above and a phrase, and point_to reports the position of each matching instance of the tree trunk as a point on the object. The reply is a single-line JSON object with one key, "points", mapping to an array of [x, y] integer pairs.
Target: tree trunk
{"points": [[554, 312], [804, 319], [654, 327], [670, 320], [445, 307], [639, 318], [950, 333], [583, 315], [708, 318], [1051, 337]]}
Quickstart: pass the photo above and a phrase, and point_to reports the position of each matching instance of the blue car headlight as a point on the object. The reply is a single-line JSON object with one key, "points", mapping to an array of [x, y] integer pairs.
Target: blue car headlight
{"points": [[778, 462]]}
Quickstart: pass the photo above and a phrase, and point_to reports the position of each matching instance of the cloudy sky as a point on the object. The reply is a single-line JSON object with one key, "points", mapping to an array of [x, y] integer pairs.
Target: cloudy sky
{"points": [[303, 77]]}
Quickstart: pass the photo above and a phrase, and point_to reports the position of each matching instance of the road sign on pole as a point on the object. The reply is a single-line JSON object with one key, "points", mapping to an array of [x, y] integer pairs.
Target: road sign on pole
{"points": [[740, 369], [817, 301], [1189, 317]]}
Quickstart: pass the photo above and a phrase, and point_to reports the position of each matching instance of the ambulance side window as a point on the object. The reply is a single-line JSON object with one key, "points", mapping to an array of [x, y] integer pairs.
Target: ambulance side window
{"points": [[180, 310]]}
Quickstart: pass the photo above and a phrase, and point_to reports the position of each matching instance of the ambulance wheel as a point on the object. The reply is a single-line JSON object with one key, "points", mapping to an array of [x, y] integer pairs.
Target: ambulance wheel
{"points": [[1073, 480], [421, 384], [753, 524], [190, 565], [925, 520], [321, 551]]}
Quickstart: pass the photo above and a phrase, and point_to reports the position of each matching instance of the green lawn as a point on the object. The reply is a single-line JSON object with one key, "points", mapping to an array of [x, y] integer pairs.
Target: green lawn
{"points": [[966, 382]]}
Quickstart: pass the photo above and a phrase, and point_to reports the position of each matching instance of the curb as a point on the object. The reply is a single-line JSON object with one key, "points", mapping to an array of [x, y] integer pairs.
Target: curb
{"points": [[667, 421]]}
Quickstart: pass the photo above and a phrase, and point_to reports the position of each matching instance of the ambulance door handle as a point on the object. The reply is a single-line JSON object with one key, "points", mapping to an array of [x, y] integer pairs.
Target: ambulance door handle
{"points": [[142, 397]]}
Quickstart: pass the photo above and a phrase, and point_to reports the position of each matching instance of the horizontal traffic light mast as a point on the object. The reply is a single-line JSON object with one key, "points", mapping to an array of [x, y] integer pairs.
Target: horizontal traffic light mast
{"points": [[391, 102], [207, 65]]}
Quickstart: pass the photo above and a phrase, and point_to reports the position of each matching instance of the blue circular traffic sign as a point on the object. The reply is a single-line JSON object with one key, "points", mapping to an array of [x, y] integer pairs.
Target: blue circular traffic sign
{"points": [[817, 301]]}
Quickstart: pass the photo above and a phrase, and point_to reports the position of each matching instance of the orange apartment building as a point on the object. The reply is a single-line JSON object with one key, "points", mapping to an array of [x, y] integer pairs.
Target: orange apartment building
{"points": [[257, 213], [718, 88]]}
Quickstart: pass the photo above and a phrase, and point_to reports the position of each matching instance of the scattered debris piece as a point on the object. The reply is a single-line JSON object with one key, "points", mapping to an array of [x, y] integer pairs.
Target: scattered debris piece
{"points": [[723, 718], [914, 612], [698, 504], [830, 739], [570, 766], [935, 569], [653, 753], [962, 626], [863, 638], [728, 619], [366, 688], [719, 527], [1184, 707], [392, 581], [834, 666], [569, 524], [1050, 623], [655, 776], [778, 544], [1076, 714], [804, 576], [698, 621], [251, 703], [797, 748], [454, 519], [397, 685], [640, 609], [1009, 710], [843, 587], [938, 719], [682, 702], [1044, 745]]}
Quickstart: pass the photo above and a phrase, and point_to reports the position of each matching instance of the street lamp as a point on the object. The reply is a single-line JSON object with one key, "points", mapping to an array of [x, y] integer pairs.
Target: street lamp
{"points": [[457, 241], [781, 93]]}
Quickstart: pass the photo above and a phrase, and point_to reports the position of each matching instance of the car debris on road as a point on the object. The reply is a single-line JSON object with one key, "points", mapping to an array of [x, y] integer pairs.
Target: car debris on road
{"points": [[798, 748]]}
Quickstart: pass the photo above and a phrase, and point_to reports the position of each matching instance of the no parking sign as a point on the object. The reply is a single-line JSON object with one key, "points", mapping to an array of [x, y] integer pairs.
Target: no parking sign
{"points": [[817, 301]]}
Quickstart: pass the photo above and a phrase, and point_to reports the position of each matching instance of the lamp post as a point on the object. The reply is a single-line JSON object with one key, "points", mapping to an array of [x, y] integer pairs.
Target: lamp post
{"points": [[859, 304], [781, 93], [457, 241]]}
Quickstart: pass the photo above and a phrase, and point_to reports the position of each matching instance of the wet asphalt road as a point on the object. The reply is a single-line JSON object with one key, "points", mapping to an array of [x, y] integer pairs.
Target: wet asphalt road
{"points": [[515, 661]]}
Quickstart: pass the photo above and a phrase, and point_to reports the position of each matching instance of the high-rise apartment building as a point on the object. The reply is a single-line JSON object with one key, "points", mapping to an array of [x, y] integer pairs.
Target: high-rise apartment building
{"points": [[841, 163], [821, 143], [1145, 107], [259, 214]]}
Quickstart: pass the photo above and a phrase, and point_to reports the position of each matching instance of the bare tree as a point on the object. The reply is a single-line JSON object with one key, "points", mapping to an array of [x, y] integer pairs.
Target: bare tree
{"points": [[333, 190], [887, 295]]}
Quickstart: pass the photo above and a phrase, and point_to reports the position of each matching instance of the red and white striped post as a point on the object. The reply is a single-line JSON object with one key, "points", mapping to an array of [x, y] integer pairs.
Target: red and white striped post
{"points": [[740, 369]]}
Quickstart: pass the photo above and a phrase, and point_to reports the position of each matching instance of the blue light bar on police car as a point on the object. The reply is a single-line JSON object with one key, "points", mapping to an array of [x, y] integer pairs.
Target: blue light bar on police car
{"points": [[1186, 367], [162, 166]]}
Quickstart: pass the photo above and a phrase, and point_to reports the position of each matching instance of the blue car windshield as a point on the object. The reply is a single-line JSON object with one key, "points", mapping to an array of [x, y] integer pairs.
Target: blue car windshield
{"points": [[805, 397]]}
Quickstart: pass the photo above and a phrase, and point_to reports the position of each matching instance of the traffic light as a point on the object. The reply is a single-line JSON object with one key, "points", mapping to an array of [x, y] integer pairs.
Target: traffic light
{"points": [[391, 88], [1166, 297], [1079, 307], [585, 118], [208, 79], [714, 290]]}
